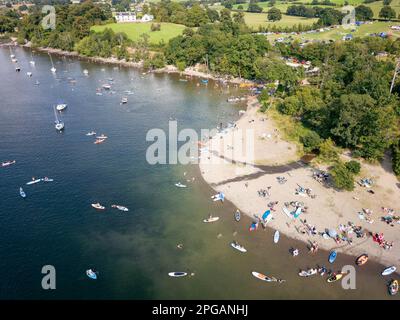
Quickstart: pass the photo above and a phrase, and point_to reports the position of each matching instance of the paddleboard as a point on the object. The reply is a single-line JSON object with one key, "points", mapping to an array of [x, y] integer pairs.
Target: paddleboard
{"points": [[263, 277], [335, 278], [388, 270], [212, 219], [332, 257], [33, 181], [238, 247], [177, 274], [276, 236], [287, 212]]}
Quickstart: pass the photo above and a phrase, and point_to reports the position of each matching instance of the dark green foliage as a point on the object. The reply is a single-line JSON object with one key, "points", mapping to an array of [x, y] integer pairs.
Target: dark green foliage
{"points": [[353, 166], [396, 158], [311, 141], [274, 14], [342, 178]]}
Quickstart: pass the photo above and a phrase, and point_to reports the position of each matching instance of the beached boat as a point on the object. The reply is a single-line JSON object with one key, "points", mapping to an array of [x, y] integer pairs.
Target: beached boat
{"points": [[8, 163], [393, 287], [335, 277], [308, 273], [120, 208], [263, 277], [361, 260], [332, 257], [237, 215], [177, 274], [59, 125], [92, 274], [98, 206], [180, 185], [388, 270], [61, 106], [276, 236], [211, 219], [238, 247], [22, 193]]}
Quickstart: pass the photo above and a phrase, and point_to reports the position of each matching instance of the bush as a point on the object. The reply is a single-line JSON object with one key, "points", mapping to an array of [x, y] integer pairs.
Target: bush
{"points": [[353, 166], [396, 158], [155, 27], [311, 141], [181, 65], [342, 178], [328, 151]]}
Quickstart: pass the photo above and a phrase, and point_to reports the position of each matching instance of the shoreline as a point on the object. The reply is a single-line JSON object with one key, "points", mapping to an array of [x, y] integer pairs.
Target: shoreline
{"points": [[240, 184], [168, 69]]}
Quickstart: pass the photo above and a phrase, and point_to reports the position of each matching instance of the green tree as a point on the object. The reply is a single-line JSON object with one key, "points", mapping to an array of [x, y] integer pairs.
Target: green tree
{"points": [[353, 166], [274, 14], [387, 13], [342, 178], [364, 13]]}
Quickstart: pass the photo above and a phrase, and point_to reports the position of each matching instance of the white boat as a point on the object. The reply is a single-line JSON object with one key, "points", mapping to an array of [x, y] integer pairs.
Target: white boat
{"points": [[308, 273], [61, 106], [263, 277], [177, 274], [59, 125], [238, 247], [106, 86], [211, 219], [102, 136], [91, 274], [276, 236], [92, 133], [98, 206], [45, 179], [22, 193], [388, 270], [86, 72], [180, 185], [124, 100], [33, 181], [8, 163], [32, 62], [120, 208], [29, 74]]}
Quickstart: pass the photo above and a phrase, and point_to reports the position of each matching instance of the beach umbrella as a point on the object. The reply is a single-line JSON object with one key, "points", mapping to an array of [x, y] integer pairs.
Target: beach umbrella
{"points": [[332, 233]]}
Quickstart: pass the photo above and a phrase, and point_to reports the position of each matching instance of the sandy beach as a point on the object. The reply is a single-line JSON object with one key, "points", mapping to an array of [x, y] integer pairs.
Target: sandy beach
{"points": [[240, 175]]}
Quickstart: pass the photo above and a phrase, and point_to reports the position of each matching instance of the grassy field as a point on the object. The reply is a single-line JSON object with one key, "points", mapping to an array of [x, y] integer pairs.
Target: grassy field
{"points": [[256, 19], [377, 6], [337, 34], [134, 30]]}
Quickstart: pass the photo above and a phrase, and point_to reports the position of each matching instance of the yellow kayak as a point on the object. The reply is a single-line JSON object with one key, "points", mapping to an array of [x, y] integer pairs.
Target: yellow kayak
{"points": [[335, 277]]}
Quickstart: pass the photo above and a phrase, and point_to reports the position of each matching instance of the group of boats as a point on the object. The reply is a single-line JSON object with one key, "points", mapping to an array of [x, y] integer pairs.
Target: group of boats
{"points": [[33, 181], [98, 206]]}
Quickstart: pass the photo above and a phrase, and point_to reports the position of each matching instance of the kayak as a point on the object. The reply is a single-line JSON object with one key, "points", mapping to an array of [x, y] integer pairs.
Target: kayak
{"points": [[238, 247], [91, 274], [263, 277], [22, 193], [237, 215], [102, 137], [120, 208], [7, 163], [276, 236], [335, 277], [211, 219], [98, 206], [180, 185], [98, 141], [47, 180], [388, 270], [362, 259], [308, 273], [33, 182], [332, 257], [393, 287], [177, 274]]}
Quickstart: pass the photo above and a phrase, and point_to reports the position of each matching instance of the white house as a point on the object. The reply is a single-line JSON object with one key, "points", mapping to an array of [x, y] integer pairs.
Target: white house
{"points": [[125, 17]]}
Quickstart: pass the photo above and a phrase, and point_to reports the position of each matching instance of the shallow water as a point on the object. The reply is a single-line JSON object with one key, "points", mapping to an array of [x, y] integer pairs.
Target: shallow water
{"points": [[133, 251]]}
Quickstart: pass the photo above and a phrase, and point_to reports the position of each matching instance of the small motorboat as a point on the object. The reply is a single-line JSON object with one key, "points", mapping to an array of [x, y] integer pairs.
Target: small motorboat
{"points": [[177, 274], [29, 74], [98, 141], [361, 260], [106, 86], [308, 273], [98, 206], [53, 70], [238, 247], [85, 72], [102, 136], [17, 69], [180, 185], [59, 126], [33, 181], [335, 277], [393, 287], [92, 274], [120, 208], [388, 270], [211, 219], [61, 106], [332, 257], [92, 133], [22, 193], [237, 215], [124, 100], [8, 163]]}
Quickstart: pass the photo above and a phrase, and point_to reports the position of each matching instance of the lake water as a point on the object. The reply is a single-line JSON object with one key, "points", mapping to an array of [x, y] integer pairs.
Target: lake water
{"points": [[133, 251]]}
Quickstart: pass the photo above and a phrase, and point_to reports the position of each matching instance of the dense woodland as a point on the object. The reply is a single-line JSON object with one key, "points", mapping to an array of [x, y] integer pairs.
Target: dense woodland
{"points": [[347, 105]]}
